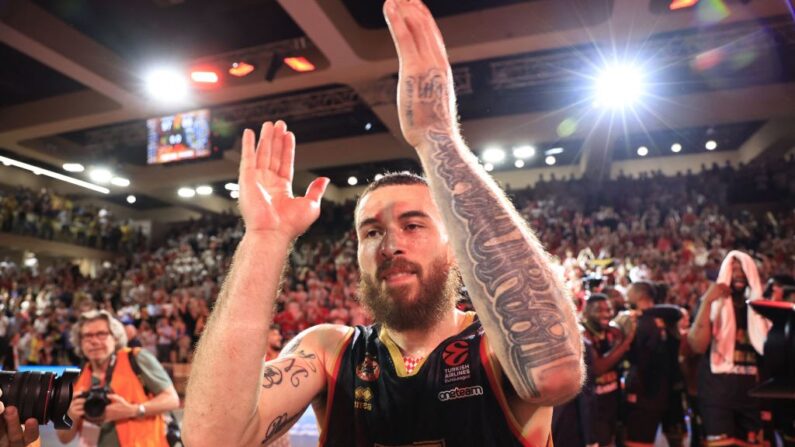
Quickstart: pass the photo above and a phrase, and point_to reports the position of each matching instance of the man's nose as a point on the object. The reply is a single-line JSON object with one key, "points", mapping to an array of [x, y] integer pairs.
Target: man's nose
{"points": [[391, 245]]}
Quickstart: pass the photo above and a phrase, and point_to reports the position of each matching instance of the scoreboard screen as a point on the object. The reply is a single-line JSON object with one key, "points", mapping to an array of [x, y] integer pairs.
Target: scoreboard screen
{"points": [[183, 136]]}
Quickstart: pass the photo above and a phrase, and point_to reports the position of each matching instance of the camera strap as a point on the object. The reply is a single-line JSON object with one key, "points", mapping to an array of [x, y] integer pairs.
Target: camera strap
{"points": [[109, 370]]}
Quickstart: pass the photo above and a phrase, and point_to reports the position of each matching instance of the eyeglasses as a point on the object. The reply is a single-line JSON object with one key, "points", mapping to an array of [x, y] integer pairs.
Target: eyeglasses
{"points": [[101, 336]]}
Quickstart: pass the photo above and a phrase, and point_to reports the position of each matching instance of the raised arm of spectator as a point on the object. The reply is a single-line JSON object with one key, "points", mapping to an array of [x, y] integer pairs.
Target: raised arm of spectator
{"points": [[529, 320], [700, 333], [223, 397]]}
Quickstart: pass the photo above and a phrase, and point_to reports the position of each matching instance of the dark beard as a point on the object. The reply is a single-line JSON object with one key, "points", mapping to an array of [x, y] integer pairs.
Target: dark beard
{"points": [[437, 294], [738, 296]]}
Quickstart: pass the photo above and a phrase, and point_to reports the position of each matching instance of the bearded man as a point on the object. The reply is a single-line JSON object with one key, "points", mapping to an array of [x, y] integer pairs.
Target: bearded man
{"points": [[425, 373]]}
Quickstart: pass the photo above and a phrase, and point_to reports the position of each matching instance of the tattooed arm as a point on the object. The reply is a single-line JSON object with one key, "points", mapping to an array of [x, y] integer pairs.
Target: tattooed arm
{"points": [[224, 402], [529, 320]]}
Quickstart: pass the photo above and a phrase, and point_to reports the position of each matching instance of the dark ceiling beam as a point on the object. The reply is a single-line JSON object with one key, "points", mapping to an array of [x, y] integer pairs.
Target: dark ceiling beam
{"points": [[35, 32]]}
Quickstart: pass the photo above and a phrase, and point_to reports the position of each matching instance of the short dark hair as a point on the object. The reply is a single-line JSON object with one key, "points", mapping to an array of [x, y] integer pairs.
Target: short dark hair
{"points": [[656, 292], [392, 179], [595, 298]]}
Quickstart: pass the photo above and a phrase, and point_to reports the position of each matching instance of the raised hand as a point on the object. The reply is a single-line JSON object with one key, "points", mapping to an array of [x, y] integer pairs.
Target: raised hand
{"points": [[266, 193], [426, 99]]}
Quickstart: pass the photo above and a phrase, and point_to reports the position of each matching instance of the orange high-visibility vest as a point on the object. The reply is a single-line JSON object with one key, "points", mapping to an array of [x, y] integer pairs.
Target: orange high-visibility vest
{"points": [[149, 431]]}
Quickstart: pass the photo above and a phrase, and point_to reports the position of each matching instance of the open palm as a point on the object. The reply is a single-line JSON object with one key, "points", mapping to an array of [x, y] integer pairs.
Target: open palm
{"points": [[266, 193]]}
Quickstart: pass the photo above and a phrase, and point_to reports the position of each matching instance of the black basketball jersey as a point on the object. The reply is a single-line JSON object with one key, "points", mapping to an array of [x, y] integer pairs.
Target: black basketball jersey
{"points": [[452, 399]]}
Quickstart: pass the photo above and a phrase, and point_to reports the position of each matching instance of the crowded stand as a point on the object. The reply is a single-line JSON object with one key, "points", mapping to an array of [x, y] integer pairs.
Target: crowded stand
{"points": [[671, 230], [47, 215]]}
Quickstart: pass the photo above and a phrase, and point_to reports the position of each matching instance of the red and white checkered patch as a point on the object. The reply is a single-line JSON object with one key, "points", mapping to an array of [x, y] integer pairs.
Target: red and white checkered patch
{"points": [[411, 363]]}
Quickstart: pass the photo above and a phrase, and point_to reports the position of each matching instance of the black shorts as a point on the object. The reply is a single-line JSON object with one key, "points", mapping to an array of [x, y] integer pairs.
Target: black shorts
{"points": [[721, 421], [642, 423], [604, 422]]}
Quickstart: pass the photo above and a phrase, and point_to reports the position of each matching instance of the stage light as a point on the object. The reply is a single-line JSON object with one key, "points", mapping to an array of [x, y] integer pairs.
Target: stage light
{"points": [[131, 199], [100, 175], [241, 69], [554, 151], [711, 145], [676, 147], [488, 167], [643, 151], [232, 187], [167, 85], [58, 176], [234, 194], [204, 190], [204, 77], [524, 152], [681, 4], [299, 64], [73, 167], [618, 86], [493, 154], [186, 193], [519, 163], [379, 177], [550, 160], [353, 180], [120, 181]]}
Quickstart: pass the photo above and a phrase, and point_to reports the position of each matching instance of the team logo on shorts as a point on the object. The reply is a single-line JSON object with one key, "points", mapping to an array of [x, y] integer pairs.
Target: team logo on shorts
{"points": [[369, 370], [456, 353]]}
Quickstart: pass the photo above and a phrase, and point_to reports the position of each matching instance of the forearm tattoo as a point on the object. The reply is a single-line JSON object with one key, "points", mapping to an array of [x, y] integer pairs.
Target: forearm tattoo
{"points": [[276, 426], [524, 298]]}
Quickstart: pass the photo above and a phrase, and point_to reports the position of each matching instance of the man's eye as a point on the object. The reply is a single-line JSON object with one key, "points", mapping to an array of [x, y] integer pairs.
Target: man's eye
{"points": [[372, 233], [412, 227]]}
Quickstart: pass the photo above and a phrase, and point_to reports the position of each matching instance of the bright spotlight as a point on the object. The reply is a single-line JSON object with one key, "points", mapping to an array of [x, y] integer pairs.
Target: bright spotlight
{"points": [[100, 175], [73, 167], [519, 163], [167, 85], [524, 152], [234, 194], [550, 160], [204, 190], [643, 151], [186, 193], [488, 167], [131, 199], [379, 177], [618, 86], [711, 145], [554, 151], [232, 187], [493, 154], [120, 181], [352, 180], [676, 147]]}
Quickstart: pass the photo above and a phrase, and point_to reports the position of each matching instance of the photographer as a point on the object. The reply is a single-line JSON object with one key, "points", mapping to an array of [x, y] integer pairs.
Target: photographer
{"points": [[121, 393]]}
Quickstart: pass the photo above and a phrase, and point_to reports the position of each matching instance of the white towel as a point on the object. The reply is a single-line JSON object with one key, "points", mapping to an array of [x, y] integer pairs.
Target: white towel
{"points": [[724, 325]]}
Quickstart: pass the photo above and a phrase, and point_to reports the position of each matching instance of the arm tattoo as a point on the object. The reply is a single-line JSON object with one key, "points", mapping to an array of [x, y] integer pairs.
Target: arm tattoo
{"points": [[277, 425], [525, 299], [274, 374]]}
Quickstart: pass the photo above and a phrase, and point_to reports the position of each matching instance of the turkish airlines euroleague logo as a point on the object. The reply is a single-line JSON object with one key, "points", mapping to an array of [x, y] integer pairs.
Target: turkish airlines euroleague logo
{"points": [[456, 353]]}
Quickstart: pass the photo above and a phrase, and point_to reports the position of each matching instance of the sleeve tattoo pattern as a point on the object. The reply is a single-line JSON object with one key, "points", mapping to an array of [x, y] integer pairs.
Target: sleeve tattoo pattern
{"points": [[526, 300]]}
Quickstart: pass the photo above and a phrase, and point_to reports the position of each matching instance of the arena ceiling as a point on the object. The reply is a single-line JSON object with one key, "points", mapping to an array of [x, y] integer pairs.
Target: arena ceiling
{"points": [[71, 80]]}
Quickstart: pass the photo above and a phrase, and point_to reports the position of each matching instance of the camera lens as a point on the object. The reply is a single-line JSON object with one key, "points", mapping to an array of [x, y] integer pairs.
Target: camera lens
{"points": [[39, 395]]}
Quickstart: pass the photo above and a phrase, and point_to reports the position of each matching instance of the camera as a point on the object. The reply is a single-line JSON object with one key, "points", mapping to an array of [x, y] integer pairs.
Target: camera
{"points": [[779, 351], [43, 396], [96, 401]]}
